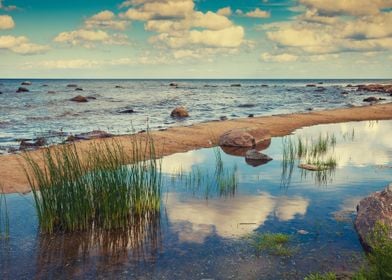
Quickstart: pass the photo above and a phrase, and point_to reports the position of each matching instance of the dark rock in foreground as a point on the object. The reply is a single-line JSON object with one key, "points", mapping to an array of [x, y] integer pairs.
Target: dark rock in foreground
{"points": [[22, 89], [373, 209], [79, 98], [179, 112]]}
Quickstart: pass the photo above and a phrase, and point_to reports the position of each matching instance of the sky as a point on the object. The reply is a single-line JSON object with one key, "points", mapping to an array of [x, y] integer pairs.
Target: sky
{"points": [[196, 39]]}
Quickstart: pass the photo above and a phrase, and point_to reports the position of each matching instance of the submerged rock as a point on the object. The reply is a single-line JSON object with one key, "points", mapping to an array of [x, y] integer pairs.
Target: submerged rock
{"points": [[243, 137], [51, 92], [370, 99], [78, 89], [26, 144], [72, 85], [26, 83], [22, 89], [312, 167], [95, 134], [223, 118], [91, 97], [173, 84], [235, 85], [79, 98], [311, 85], [373, 209], [126, 111], [247, 105], [179, 112], [119, 86], [254, 158]]}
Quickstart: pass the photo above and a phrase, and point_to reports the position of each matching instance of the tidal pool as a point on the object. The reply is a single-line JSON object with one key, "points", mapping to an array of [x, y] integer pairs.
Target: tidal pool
{"points": [[206, 231]]}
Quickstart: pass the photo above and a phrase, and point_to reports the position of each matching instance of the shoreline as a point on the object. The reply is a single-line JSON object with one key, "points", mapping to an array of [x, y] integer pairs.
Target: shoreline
{"points": [[203, 135]]}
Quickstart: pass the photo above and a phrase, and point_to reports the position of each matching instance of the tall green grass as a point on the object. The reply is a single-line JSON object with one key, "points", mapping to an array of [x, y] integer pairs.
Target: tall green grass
{"points": [[4, 218], [223, 182], [317, 152], [72, 193]]}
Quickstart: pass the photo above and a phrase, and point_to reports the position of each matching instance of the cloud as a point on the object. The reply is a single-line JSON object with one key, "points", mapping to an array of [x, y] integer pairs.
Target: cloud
{"points": [[257, 13], [224, 11], [347, 7], [179, 26], [87, 38], [65, 64], [285, 57], [21, 45], [105, 19], [6, 22]]}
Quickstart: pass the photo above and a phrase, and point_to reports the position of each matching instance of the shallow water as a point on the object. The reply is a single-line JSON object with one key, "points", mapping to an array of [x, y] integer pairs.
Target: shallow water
{"points": [[207, 234], [39, 113]]}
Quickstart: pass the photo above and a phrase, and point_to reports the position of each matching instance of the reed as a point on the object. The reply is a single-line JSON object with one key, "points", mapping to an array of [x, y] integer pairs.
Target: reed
{"points": [[99, 191], [202, 182], [4, 217]]}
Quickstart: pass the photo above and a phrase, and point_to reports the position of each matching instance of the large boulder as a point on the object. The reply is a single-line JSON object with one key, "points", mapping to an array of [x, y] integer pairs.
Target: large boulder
{"points": [[79, 98], [373, 209], [179, 112], [241, 151], [243, 137]]}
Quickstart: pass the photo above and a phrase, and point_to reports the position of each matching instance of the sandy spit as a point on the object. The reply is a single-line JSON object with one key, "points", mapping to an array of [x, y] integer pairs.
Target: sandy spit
{"points": [[181, 139]]}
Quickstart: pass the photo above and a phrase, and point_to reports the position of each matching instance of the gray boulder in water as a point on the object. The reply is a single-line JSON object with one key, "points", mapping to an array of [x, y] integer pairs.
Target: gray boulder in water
{"points": [[376, 208], [22, 89]]}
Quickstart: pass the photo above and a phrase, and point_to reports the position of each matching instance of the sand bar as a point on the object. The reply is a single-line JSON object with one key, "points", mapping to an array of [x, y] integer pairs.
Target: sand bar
{"points": [[181, 139]]}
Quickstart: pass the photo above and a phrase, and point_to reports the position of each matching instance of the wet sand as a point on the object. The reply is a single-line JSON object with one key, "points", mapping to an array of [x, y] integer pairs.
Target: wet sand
{"points": [[181, 139]]}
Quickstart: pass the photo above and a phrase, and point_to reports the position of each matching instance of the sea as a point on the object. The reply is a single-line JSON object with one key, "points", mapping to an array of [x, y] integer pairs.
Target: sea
{"points": [[46, 110]]}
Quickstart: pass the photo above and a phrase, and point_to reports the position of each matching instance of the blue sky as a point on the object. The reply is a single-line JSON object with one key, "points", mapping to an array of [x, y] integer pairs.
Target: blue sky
{"points": [[196, 39]]}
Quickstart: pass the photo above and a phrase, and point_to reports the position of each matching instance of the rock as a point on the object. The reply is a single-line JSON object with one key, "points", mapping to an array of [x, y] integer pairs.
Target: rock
{"points": [[126, 111], [264, 85], [173, 84], [382, 99], [241, 151], [310, 85], [309, 109], [344, 93], [26, 144], [255, 158], [51, 91], [44, 85], [26, 83], [72, 85], [235, 85], [246, 105], [370, 99], [119, 87], [311, 167], [373, 209], [1, 92], [78, 89], [223, 118], [375, 88], [302, 232], [91, 97], [22, 89], [95, 134], [251, 116], [179, 112], [79, 98], [243, 137]]}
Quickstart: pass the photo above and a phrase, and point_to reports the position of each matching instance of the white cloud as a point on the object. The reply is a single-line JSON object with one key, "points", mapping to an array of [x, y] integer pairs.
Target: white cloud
{"points": [[21, 45], [224, 11], [105, 19], [87, 38], [257, 13], [6, 22], [347, 7], [284, 57]]}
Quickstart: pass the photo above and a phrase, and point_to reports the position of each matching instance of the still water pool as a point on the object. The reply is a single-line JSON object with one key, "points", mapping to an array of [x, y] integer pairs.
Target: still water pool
{"points": [[207, 231]]}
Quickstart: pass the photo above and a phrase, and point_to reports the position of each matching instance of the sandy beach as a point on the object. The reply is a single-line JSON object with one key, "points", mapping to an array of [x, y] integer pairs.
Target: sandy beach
{"points": [[181, 139]]}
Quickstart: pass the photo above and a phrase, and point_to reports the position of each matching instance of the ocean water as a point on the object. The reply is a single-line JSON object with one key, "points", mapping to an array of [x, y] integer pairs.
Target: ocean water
{"points": [[38, 113], [202, 234]]}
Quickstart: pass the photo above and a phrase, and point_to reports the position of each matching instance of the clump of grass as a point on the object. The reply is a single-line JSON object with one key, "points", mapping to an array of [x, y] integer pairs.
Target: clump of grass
{"points": [[222, 183], [274, 244], [319, 276], [4, 218], [72, 193]]}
